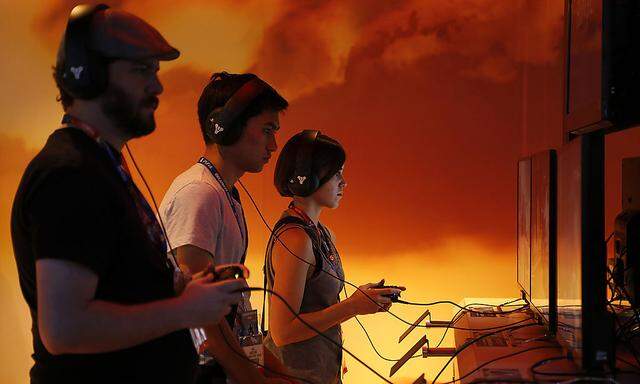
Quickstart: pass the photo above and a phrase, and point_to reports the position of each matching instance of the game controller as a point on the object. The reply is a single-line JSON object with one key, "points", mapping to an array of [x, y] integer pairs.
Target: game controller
{"points": [[230, 272], [393, 296]]}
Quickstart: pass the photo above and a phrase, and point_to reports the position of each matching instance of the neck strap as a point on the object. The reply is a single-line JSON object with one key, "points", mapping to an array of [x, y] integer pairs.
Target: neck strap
{"points": [[303, 215]]}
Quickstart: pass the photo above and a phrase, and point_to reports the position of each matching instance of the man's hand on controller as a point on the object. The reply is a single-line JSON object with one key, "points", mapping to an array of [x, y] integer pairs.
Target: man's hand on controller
{"points": [[205, 301], [182, 277], [231, 271]]}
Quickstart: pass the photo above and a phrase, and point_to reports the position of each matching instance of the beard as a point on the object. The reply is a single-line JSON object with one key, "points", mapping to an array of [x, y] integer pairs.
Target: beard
{"points": [[126, 115]]}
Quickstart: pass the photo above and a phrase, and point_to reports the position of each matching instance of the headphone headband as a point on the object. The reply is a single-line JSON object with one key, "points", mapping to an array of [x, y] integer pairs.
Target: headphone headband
{"points": [[304, 182], [81, 72], [220, 120]]}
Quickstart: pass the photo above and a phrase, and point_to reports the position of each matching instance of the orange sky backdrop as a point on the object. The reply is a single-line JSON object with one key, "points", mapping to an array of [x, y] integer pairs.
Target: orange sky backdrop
{"points": [[434, 102]]}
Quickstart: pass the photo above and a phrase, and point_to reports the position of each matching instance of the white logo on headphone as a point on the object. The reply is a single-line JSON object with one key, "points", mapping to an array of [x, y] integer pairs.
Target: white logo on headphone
{"points": [[217, 129], [76, 72], [301, 179]]}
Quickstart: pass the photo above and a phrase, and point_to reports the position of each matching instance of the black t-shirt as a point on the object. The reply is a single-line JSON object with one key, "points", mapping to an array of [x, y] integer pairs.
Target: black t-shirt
{"points": [[72, 204]]}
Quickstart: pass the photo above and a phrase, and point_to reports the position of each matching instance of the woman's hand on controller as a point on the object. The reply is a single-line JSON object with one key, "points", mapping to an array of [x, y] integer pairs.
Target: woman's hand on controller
{"points": [[369, 299]]}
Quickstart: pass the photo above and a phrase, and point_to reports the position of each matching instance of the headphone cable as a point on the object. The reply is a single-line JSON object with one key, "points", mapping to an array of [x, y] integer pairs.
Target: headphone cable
{"points": [[369, 337], [263, 366], [248, 289], [155, 205], [314, 329], [475, 340], [355, 286], [173, 255]]}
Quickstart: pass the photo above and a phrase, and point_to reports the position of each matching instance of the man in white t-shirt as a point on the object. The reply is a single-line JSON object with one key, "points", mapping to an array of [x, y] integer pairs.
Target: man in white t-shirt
{"points": [[239, 117]]}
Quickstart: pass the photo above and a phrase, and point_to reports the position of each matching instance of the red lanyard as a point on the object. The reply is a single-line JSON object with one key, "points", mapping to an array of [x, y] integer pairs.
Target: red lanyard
{"points": [[329, 248], [70, 121], [153, 228], [117, 158], [302, 215]]}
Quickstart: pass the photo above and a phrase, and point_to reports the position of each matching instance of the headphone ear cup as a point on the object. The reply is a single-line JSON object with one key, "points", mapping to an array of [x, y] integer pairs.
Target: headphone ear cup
{"points": [[220, 132], [303, 185], [85, 79], [233, 134], [215, 131], [99, 73], [314, 184], [84, 74]]}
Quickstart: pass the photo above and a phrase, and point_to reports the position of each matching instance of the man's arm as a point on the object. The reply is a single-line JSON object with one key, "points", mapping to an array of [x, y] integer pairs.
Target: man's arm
{"points": [[72, 218], [70, 320], [238, 368]]}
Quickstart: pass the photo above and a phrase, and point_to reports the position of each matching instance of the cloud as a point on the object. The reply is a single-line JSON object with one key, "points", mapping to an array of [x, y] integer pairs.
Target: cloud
{"points": [[475, 31], [308, 45], [424, 95], [425, 98], [407, 51], [301, 46], [299, 55]]}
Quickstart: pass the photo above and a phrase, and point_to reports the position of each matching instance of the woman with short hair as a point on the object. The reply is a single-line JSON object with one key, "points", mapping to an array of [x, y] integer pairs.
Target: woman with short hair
{"points": [[304, 266]]}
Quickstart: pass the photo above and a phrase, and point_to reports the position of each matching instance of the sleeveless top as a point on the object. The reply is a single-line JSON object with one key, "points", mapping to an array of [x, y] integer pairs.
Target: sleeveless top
{"points": [[315, 359]]}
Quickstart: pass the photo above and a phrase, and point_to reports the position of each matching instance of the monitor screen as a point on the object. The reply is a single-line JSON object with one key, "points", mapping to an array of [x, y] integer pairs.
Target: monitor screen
{"points": [[543, 231], [581, 254], [570, 245], [524, 226], [631, 183], [584, 63]]}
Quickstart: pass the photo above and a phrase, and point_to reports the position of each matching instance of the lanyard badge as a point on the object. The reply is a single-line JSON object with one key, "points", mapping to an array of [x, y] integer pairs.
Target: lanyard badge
{"points": [[149, 221], [250, 337], [242, 225]]}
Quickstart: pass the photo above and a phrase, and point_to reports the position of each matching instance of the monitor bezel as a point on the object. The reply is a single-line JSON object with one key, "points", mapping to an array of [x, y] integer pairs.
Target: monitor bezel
{"points": [[550, 321], [524, 289]]}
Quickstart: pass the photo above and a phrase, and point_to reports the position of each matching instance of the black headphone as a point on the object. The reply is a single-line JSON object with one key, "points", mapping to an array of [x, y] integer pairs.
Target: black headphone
{"points": [[219, 124], [304, 182], [81, 72]]}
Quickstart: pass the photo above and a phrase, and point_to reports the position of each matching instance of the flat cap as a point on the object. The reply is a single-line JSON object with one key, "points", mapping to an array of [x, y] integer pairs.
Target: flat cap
{"points": [[118, 34]]}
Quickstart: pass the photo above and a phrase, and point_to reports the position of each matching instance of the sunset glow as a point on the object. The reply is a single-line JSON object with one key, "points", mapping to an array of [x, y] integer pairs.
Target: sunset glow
{"points": [[434, 101]]}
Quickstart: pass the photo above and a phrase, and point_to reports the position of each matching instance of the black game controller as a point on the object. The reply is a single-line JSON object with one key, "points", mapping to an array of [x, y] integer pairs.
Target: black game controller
{"points": [[393, 296], [230, 272]]}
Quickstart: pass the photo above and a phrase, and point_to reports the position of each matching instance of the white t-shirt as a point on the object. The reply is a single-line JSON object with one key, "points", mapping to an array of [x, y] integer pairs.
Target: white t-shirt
{"points": [[196, 211]]}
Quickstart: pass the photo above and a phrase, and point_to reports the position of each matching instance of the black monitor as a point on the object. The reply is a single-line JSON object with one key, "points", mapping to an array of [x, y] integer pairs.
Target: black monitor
{"points": [[583, 321], [602, 57], [626, 239], [631, 184], [543, 238], [523, 254]]}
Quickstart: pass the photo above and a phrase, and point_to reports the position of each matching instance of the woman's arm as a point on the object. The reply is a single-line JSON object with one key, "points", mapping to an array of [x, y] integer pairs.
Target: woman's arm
{"points": [[291, 274]]}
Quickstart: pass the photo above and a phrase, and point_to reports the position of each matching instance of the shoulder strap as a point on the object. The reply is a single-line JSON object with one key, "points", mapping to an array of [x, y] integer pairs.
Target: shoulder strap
{"points": [[279, 225], [288, 220]]}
